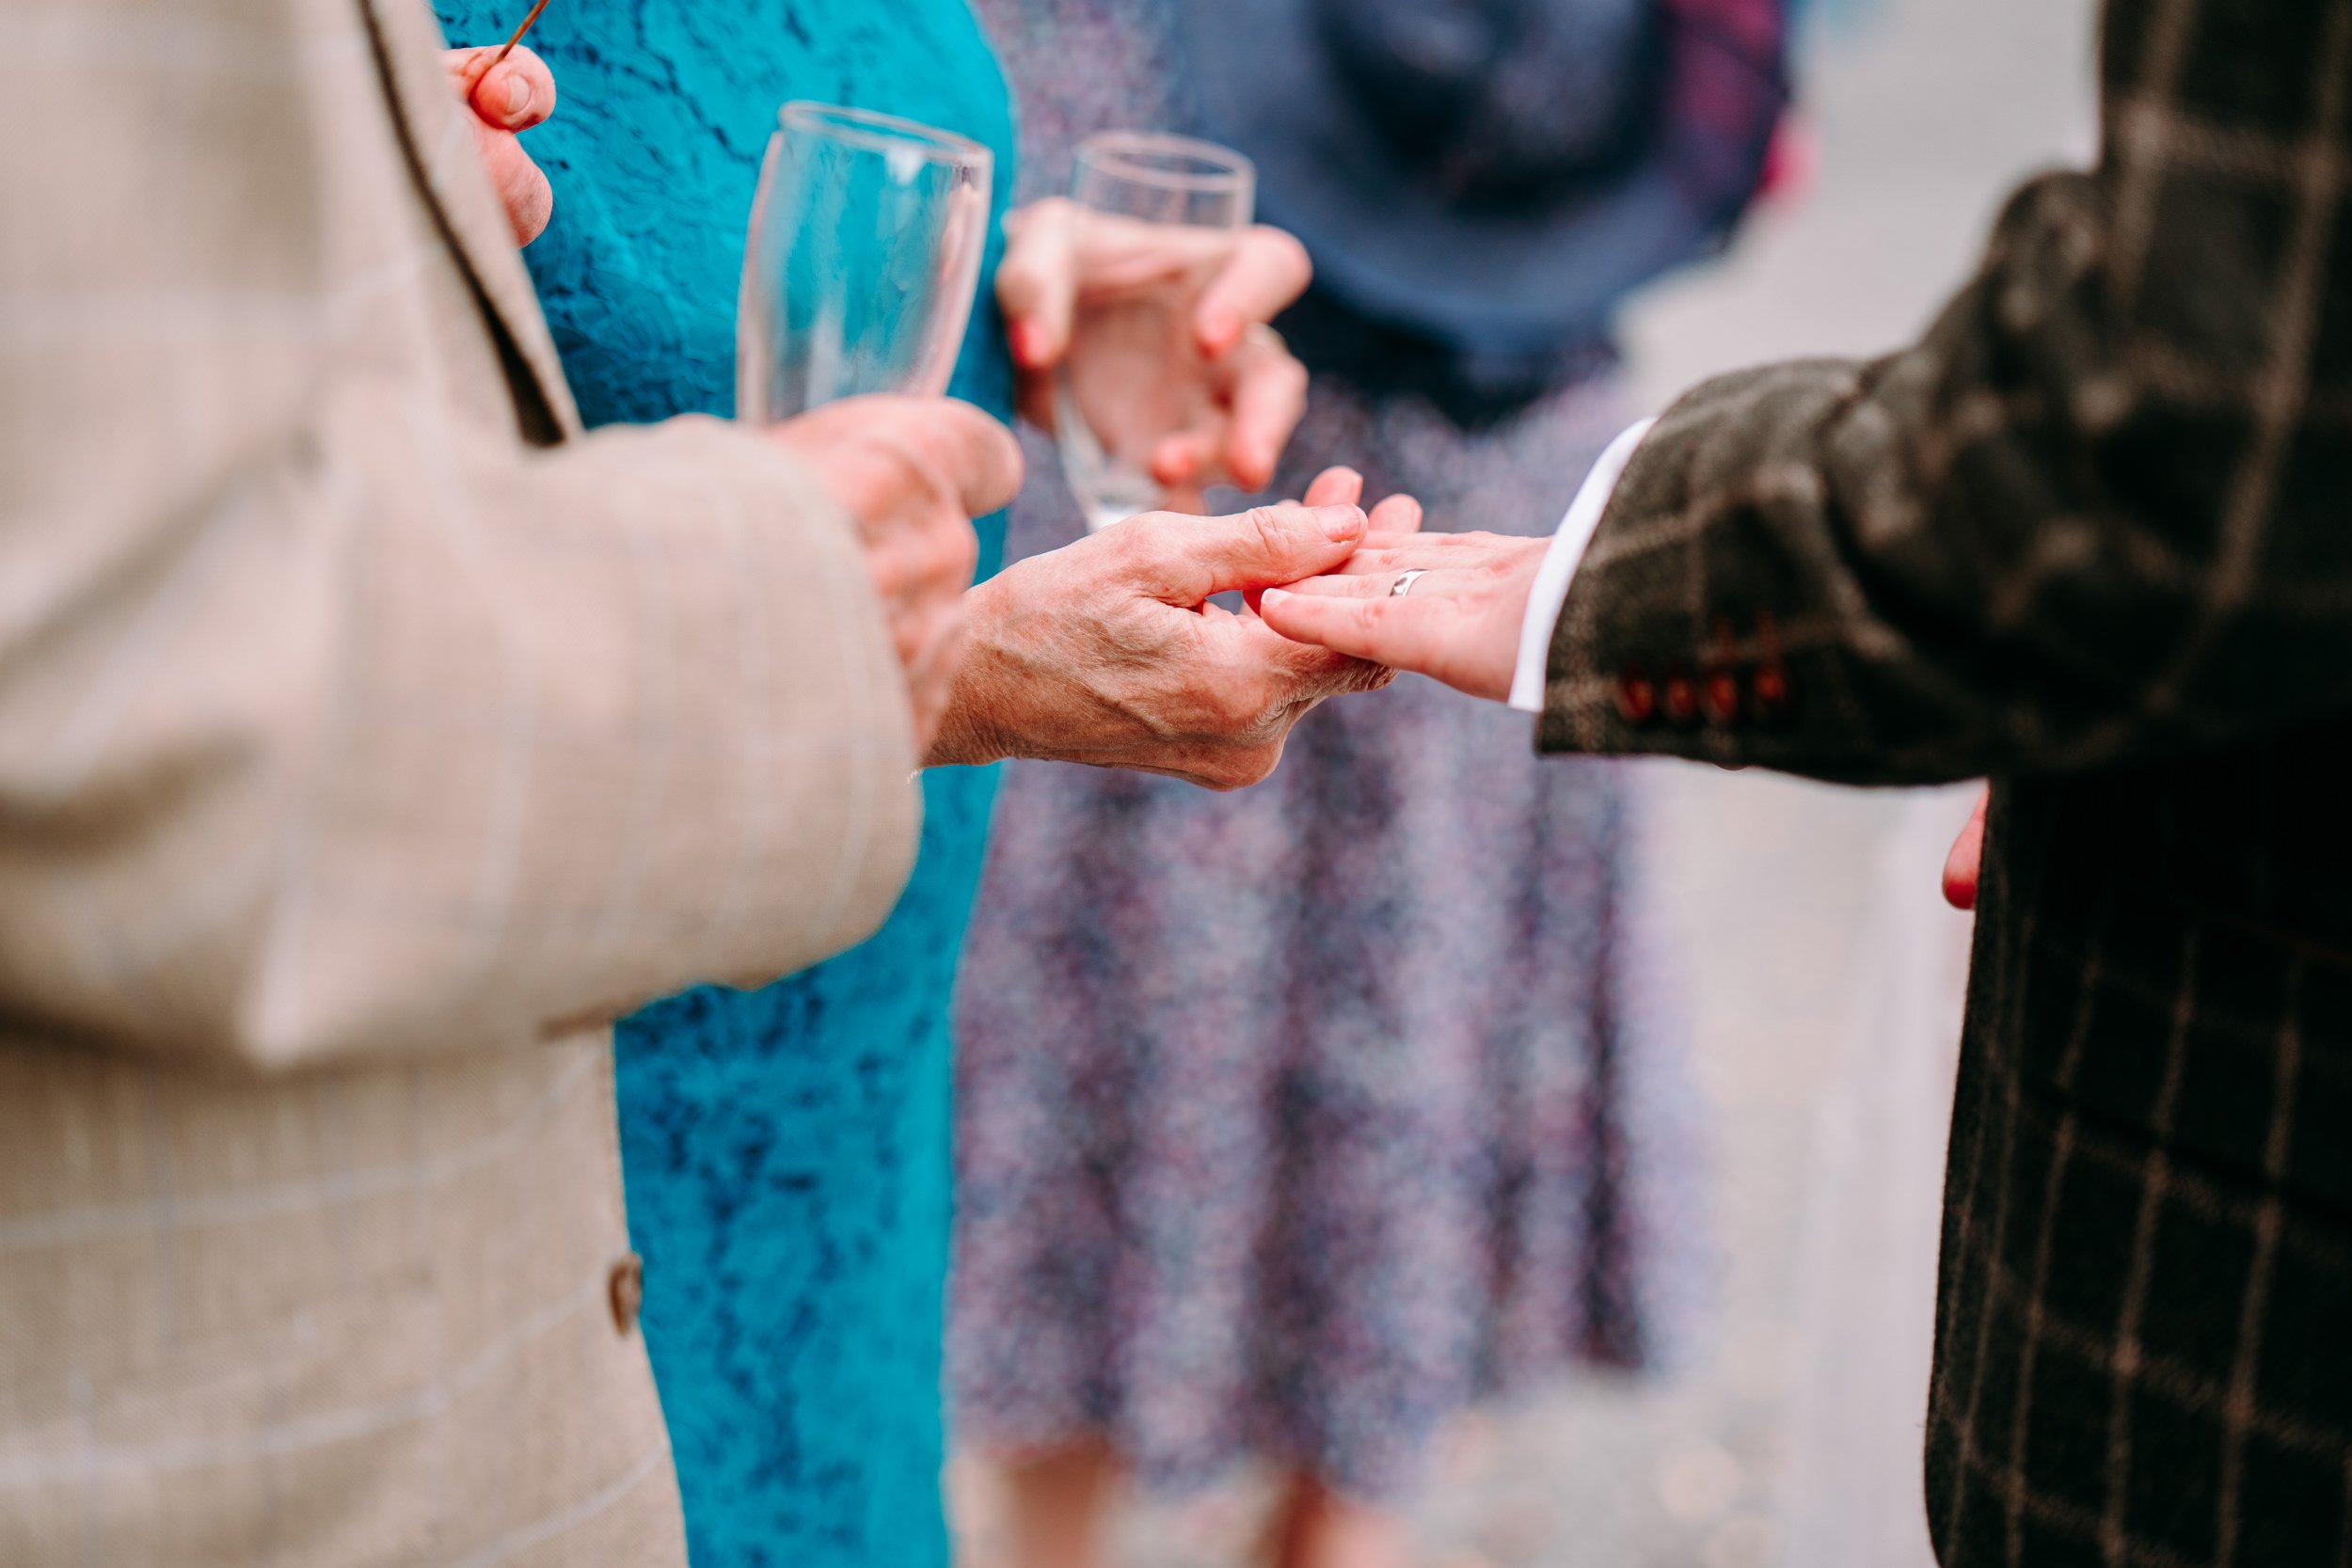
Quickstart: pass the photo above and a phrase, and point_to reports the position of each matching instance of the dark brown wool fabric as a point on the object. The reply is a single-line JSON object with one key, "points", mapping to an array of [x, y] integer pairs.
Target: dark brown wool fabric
{"points": [[2092, 536]]}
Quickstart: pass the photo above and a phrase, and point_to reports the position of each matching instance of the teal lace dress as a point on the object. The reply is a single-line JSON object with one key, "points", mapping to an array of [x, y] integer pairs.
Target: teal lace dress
{"points": [[787, 1149]]}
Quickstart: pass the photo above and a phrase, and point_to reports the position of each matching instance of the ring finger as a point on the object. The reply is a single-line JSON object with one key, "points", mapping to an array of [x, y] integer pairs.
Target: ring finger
{"points": [[1381, 563], [1421, 582]]}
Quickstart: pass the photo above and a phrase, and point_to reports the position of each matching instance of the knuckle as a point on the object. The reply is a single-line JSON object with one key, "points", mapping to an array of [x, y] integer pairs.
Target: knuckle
{"points": [[950, 548], [1236, 701], [856, 486], [1146, 548], [1017, 273], [1257, 710], [1227, 709], [1337, 676]]}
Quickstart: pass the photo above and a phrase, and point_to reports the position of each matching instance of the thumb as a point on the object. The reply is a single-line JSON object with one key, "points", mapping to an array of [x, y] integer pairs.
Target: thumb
{"points": [[516, 95], [1264, 545]]}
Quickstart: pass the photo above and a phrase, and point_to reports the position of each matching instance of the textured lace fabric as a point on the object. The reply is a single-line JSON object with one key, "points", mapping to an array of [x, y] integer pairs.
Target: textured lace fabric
{"points": [[1366, 1103], [786, 1151]]}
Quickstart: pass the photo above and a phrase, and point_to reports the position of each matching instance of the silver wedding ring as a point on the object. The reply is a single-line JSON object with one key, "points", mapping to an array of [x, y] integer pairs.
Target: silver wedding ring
{"points": [[1404, 580]]}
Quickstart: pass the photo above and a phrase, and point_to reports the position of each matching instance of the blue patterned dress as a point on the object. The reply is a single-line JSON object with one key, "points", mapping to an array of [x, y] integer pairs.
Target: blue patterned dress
{"points": [[1294, 1122], [786, 1151]]}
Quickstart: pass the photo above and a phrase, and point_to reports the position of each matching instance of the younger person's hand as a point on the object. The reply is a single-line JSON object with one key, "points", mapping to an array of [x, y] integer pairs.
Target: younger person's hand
{"points": [[1458, 619], [512, 99], [1243, 388]]}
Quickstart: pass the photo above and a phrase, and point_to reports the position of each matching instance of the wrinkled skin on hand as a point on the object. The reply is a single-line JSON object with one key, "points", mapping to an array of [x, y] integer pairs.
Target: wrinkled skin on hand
{"points": [[1107, 651]]}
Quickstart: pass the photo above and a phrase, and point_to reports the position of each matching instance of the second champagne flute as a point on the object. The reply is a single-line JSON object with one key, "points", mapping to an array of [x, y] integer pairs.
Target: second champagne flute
{"points": [[1115, 402], [862, 256]]}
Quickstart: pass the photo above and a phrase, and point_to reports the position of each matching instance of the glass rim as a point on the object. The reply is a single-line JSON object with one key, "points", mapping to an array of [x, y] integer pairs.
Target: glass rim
{"points": [[1122, 154], [872, 131]]}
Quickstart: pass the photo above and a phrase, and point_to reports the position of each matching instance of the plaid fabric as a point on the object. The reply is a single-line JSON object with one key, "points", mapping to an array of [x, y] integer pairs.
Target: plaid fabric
{"points": [[362, 723], [2088, 536]]}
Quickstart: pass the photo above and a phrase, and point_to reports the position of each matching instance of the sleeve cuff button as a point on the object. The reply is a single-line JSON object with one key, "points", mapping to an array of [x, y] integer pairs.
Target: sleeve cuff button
{"points": [[1637, 699]]}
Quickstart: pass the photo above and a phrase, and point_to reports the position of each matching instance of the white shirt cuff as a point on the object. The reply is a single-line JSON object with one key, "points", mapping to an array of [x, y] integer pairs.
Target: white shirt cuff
{"points": [[1550, 592]]}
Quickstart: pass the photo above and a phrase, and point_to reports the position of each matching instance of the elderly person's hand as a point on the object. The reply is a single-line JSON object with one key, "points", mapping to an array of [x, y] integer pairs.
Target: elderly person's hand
{"points": [[512, 98], [1225, 394], [1107, 651], [914, 472]]}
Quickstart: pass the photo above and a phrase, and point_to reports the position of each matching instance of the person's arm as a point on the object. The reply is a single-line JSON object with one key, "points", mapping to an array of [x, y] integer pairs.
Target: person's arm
{"points": [[335, 721], [2095, 514]]}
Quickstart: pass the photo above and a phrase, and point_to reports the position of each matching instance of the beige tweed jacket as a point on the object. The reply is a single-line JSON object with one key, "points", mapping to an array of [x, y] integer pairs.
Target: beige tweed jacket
{"points": [[368, 735]]}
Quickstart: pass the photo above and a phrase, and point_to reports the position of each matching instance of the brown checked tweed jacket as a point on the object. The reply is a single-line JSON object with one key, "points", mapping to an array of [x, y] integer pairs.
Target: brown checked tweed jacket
{"points": [[2092, 536], [367, 734]]}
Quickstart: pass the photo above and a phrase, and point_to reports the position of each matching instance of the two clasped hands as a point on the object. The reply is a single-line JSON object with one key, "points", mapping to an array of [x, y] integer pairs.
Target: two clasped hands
{"points": [[1109, 650]]}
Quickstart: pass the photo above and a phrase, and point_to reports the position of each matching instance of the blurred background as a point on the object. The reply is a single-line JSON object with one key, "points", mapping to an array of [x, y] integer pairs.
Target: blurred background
{"points": [[1819, 971]]}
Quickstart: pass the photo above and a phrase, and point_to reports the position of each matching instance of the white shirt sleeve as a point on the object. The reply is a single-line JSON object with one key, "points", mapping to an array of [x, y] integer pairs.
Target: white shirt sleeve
{"points": [[1550, 592]]}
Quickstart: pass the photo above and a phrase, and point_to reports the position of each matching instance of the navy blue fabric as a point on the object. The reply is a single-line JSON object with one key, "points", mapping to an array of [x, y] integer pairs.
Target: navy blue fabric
{"points": [[1494, 176]]}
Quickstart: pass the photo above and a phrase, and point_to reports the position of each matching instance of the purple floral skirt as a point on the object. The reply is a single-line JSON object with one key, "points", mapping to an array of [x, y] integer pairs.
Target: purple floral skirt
{"points": [[1296, 1120]]}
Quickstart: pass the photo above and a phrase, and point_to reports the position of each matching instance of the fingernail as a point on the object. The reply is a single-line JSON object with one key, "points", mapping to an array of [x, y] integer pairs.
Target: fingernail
{"points": [[1340, 522], [517, 93], [1029, 345]]}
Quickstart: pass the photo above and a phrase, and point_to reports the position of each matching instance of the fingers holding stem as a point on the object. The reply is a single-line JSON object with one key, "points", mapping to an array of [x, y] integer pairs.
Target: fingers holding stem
{"points": [[516, 95]]}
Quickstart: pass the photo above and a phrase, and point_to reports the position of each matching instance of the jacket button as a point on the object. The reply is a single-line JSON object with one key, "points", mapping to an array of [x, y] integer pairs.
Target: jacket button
{"points": [[1679, 700], [1773, 700], [1720, 692], [1637, 699], [626, 1290]]}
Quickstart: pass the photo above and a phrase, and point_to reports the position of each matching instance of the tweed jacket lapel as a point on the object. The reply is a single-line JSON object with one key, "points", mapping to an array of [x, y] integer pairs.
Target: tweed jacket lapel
{"points": [[441, 147]]}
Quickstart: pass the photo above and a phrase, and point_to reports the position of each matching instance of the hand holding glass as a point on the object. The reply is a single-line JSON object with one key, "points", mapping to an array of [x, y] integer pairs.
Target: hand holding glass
{"points": [[1117, 399]]}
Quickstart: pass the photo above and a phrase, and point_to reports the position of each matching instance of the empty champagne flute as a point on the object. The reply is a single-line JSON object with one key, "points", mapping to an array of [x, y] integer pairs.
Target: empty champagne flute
{"points": [[1115, 401], [864, 252]]}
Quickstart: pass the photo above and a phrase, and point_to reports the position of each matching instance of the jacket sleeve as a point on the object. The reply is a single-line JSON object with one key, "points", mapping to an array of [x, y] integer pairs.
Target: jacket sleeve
{"points": [[2097, 515], [335, 719]]}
